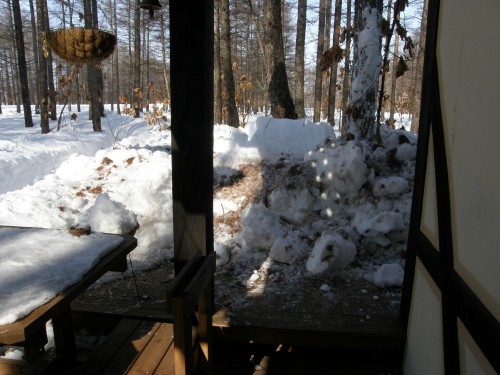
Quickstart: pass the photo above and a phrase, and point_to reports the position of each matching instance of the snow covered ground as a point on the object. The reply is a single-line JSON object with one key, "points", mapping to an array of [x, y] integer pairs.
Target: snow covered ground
{"points": [[318, 205]]}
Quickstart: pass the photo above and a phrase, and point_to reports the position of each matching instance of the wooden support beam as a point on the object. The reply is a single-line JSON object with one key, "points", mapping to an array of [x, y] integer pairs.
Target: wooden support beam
{"points": [[191, 67]]}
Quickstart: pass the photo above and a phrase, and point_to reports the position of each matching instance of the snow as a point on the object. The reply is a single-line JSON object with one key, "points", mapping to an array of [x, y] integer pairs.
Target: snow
{"points": [[389, 275], [336, 208], [31, 278]]}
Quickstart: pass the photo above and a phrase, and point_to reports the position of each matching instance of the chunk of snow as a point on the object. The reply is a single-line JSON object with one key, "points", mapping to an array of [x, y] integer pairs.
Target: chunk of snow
{"points": [[261, 227], [286, 250], [221, 254], [331, 250], [341, 167], [292, 204], [390, 186], [406, 151], [108, 216], [325, 288], [12, 352], [383, 222], [391, 274]]}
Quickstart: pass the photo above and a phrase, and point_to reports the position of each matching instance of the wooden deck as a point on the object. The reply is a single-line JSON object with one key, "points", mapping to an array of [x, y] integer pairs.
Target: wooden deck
{"points": [[133, 347], [146, 347], [264, 336]]}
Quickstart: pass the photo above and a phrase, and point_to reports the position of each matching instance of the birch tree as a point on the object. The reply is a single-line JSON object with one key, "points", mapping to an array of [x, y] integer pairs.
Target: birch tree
{"points": [[361, 110]]}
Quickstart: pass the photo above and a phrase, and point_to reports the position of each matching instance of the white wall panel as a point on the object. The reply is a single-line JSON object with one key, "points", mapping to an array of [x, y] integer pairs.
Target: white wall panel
{"points": [[424, 346], [472, 360], [468, 64]]}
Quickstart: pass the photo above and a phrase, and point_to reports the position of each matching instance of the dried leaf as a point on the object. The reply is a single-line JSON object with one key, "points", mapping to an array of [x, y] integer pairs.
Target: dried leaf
{"points": [[400, 5], [334, 54], [402, 67], [409, 47], [342, 35]]}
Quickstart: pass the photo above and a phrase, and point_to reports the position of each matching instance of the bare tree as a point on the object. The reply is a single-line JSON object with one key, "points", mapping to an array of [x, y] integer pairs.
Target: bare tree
{"points": [[21, 60], [92, 84], [347, 70], [41, 6], [217, 65], [229, 111], [336, 55], [164, 55], [299, 58], [35, 53], [318, 84], [137, 59], [279, 93], [417, 86]]}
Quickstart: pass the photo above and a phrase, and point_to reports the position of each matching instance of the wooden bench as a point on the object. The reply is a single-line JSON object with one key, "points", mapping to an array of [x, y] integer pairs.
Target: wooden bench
{"points": [[145, 347], [30, 331]]}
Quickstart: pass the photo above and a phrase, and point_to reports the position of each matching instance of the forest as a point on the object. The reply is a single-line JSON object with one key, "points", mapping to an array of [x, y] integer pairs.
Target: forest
{"points": [[353, 63]]}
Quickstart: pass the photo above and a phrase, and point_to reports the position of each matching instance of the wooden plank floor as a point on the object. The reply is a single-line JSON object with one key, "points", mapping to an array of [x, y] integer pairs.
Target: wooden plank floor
{"points": [[145, 347], [133, 347], [354, 321]]}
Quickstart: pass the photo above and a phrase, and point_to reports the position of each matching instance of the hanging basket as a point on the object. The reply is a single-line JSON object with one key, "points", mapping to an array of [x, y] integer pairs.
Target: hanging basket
{"points": [[81, 45]]}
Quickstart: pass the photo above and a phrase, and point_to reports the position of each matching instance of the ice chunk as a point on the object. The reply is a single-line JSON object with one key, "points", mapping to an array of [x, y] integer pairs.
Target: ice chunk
{"points": [[331, 250], [391, 274]]}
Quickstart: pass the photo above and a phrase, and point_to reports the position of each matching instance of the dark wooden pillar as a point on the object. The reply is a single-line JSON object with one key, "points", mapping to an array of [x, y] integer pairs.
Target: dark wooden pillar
{"points": [[191, 67]]}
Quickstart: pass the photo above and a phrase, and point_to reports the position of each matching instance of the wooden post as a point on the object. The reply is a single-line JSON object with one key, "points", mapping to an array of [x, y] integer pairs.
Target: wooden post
{"points": [[191, 68]]}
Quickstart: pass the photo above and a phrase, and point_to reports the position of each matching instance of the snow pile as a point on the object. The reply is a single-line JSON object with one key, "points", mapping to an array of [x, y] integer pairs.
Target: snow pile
{"points": [[108, 216], [137, 188], [308, 205], [341, 205]]}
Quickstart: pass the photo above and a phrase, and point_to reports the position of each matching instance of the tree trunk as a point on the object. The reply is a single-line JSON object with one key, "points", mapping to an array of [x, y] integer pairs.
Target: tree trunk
{"points": [[164, 58], [8, 77], [115, 63], [279, 93], [347, 71], [23, 71], [393, 83], [99, 80], [229, 110], [217, 65], [299, 58], [41, 6], [417, 90], [367, 62], [137, 60], [332, 94], [325, 91], [92, 84], [318, 83], [50, 74], [35, 55]]}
